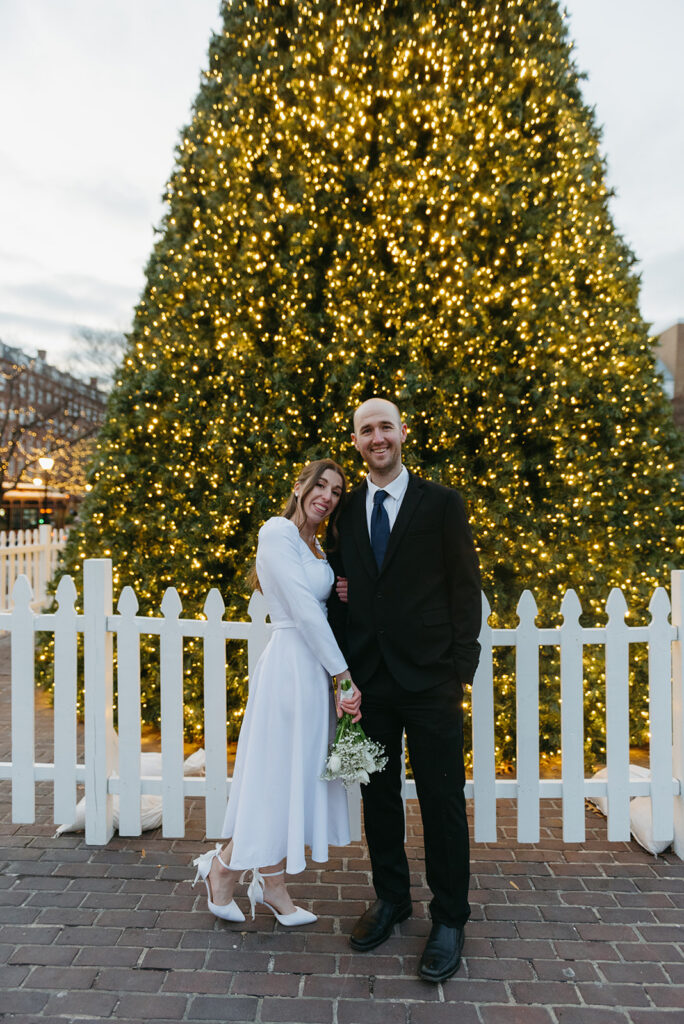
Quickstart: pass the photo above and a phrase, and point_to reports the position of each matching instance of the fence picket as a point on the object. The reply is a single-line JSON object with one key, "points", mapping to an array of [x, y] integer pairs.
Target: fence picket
{"points": [[215, 723], [171, 683], [527, 719], [42, 559], [38, 573], [484, 753], [660, 715], [617, 716], [678, 708], [260, 629], [66, 670], [11, 566], [100, 757], [128, 689], [23, 705], [21, 556], [572, 719]]}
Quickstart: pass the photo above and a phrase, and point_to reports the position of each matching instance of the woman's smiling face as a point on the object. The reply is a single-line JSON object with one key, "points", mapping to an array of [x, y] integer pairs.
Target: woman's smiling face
{"points": [[323, 498]]}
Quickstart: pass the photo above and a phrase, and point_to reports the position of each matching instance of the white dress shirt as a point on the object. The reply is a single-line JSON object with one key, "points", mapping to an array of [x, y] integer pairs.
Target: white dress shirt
{"points": [[395, 495]]}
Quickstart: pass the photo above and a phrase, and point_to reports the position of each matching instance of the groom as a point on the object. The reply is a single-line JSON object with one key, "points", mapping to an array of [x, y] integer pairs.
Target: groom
{"points": [[409, 629]]}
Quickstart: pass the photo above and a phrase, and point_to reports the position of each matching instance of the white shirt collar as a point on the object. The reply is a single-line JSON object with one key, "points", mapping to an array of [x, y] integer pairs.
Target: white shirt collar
{"points": [[396, 489]]}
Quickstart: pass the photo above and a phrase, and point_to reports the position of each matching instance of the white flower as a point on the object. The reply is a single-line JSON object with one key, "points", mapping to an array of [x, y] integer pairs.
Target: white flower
{"points": [[352, 756]]}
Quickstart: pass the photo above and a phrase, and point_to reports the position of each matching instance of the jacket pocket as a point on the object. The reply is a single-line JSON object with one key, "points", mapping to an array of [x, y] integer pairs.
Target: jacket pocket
{"points": [[436, 617]]}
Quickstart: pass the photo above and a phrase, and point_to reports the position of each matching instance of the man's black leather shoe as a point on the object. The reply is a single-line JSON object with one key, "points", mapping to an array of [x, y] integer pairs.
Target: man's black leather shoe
{"points": [[442, 953], [376, 924]]}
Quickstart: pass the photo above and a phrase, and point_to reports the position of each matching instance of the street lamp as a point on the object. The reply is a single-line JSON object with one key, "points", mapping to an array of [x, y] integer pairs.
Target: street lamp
{"points": [[46, 463]]}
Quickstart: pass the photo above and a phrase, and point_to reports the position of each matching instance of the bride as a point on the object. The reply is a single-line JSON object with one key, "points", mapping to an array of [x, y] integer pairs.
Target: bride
{"points": [[278, 804]]}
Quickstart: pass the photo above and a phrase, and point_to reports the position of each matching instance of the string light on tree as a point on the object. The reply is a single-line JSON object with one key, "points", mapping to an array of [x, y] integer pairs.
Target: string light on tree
{"points": [[406, 199]]}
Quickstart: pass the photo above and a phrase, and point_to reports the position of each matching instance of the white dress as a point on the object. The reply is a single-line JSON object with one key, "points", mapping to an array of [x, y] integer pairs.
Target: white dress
{"points": [[278, 803]]}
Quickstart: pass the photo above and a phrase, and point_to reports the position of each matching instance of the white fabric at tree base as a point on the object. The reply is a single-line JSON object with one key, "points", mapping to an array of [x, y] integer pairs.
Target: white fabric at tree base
{"points": [[640, 810], [150, 803], [278, 804]]}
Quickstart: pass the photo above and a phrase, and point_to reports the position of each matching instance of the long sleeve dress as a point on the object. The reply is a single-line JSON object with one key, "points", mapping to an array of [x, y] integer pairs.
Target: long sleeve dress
{"points": [[278, 804]]}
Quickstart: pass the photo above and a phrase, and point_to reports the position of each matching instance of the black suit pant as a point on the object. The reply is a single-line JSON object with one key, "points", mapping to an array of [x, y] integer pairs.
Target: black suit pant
{"points": [[433, 722]]}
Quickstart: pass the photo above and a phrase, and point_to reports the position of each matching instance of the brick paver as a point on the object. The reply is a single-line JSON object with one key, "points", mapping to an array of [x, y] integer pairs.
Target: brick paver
{"points": [[559, 934]]}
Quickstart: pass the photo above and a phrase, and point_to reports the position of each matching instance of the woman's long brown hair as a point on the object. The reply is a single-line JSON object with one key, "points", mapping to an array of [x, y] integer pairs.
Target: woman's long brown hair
{"points": [[306, 481]]}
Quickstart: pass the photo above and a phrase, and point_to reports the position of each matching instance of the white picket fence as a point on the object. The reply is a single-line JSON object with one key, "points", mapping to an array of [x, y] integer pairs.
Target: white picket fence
{"points": [[105, 774], [30, 553]]}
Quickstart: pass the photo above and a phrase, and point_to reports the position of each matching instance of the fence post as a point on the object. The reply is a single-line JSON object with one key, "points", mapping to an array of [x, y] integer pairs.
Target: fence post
{"points": [[484, 749], [99, 699], [66, 686], [572, 719], [617, 716], [527, 718], [215, 713], [171, 704], [678, 708], [128, 703], [660, 714], [23, 705]]}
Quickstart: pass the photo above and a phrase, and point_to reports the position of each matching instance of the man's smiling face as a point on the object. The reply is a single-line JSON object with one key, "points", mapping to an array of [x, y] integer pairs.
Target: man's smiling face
{"points": [[378, 435]]}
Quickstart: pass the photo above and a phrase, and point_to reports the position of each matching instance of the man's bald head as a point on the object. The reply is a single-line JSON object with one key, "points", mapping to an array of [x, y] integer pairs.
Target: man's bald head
{"points": [[377, 407], [378, 437]]}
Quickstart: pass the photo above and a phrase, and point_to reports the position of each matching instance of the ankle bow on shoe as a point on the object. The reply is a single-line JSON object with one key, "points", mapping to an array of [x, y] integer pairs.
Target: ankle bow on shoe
{"points": [[255, 892], [224, 911]]}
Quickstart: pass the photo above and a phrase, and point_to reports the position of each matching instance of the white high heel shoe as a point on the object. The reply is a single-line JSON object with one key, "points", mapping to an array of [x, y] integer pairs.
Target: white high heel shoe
{"points": [[255, 893], [228, 911]]}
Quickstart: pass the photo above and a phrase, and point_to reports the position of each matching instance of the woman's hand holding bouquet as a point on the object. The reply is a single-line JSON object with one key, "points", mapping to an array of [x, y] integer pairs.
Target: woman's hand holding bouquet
{"points": [[352, 756]]}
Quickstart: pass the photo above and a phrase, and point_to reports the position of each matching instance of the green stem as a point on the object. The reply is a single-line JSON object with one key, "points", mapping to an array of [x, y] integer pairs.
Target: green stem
{"points": [[343, 726], [345, 722]]}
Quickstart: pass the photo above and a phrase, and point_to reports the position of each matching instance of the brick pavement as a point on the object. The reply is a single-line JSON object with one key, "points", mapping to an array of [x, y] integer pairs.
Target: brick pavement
{"points": [[588, 934]]}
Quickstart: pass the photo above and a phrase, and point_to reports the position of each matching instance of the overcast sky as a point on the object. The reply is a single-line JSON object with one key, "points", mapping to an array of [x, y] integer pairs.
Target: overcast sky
{"points": [[94, 93]]}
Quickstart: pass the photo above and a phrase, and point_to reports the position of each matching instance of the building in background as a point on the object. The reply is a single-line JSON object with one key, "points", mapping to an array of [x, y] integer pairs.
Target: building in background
{"points": [[48, 421], [670, 352]]}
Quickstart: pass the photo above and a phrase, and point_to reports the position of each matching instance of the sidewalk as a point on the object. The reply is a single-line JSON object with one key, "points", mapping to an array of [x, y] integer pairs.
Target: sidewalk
{"points": [[588, 934]]}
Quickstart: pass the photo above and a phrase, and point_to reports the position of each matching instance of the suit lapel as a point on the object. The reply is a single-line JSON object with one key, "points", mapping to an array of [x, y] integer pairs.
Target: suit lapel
{"points": [[414, 493], [360, 528], [412, 498]]}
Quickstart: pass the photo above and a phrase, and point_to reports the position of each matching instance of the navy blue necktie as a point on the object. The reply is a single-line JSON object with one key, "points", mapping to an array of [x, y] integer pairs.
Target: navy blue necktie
{"points": [[380, 527]]}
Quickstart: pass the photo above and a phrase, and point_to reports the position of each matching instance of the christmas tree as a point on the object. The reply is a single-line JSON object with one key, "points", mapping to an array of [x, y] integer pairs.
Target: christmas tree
{"points": [[404, 198]]}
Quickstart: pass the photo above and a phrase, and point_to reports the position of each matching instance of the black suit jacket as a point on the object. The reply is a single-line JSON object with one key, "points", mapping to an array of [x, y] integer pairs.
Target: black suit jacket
{"points": [[421, 611]]}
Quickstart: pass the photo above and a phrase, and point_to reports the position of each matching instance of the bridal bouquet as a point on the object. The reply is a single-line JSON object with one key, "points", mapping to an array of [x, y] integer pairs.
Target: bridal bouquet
{"points": [[352, 756]]}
